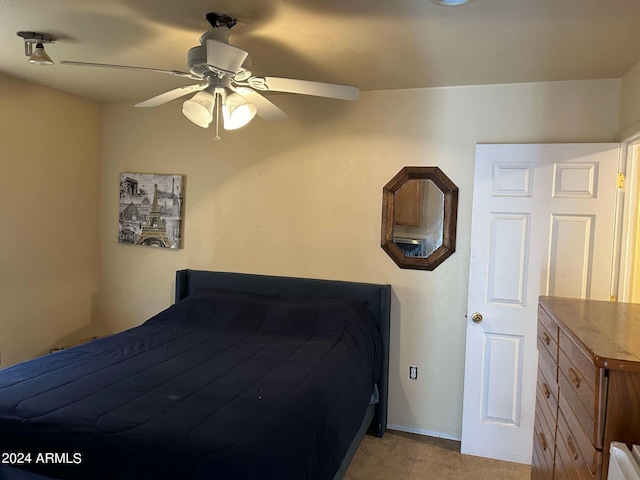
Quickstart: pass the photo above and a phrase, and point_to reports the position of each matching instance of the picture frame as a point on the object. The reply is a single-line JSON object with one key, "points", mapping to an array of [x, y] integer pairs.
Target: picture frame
{"points": [[151, 209]]}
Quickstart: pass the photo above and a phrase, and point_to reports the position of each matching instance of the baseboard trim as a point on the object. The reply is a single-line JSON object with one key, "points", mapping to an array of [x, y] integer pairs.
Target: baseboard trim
{"points": [[421, 431]]}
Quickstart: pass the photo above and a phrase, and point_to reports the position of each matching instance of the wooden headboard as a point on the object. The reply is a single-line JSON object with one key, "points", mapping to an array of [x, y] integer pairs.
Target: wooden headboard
{"points": [[377, 299]]}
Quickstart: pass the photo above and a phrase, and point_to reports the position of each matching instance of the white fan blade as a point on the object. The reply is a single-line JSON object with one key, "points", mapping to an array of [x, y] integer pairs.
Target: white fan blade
{"points": [[266, 110], [175, 73], [172, 95], [305, 87], [224, 57]]}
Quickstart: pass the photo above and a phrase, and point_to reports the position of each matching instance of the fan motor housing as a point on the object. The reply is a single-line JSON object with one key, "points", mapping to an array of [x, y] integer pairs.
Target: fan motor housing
{"points": [[198, 65], [197, 61]]}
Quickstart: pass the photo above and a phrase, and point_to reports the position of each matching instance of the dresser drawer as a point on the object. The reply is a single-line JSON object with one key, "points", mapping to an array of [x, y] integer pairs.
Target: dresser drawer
{"points": [[544, 440], [549, 369], [547, 396], [548, 340], [548, 322], [583, 400], [590, 373], [568, 454], [580, 383], [562, 470], [544, 430], [574, 435], [540, 468]]}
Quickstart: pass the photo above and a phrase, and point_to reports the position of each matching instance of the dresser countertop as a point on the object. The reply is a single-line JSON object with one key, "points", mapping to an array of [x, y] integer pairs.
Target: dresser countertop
{"points": [[609, 332]]}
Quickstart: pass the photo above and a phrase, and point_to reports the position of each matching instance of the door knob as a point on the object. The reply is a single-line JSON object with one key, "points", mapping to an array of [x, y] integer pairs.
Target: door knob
{"points": [[476, 317]]}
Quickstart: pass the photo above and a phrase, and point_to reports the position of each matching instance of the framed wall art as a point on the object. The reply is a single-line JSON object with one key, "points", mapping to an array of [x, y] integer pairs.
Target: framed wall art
{"points": [[151, 209]]}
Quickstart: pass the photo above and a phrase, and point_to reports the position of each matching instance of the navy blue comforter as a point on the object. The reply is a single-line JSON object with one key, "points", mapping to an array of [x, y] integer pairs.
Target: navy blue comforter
{"points": [[218, 386]]}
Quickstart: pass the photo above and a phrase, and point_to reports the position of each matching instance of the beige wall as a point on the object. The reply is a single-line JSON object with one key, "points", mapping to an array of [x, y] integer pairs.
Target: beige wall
{"points": [[630, 103], [303, 198], [49, 213]]}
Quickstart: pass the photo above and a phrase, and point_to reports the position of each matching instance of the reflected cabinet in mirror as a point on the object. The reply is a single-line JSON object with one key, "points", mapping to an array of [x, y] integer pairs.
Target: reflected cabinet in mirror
{"points": [[419, 214]]}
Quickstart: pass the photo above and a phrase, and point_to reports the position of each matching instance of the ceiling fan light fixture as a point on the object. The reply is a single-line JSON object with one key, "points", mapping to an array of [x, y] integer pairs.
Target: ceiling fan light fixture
{"points": [[39, 56], [199, 108], [237, 112]]}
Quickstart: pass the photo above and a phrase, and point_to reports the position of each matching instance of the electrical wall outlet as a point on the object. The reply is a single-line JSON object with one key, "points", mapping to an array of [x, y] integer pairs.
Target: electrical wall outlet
{"points": [[413, 372]]}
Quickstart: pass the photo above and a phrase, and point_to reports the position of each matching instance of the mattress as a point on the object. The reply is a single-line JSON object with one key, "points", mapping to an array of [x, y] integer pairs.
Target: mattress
{"points": [[220, 385]]}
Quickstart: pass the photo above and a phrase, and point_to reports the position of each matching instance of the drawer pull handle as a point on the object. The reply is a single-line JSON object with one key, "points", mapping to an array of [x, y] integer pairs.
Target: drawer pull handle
{"points": [[546, 338], [572, 448], [574, 377], [546, 390], [542, 440]]}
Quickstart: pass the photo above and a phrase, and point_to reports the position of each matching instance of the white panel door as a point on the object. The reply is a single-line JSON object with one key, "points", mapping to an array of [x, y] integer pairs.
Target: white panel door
{"points": [[542, 224]]}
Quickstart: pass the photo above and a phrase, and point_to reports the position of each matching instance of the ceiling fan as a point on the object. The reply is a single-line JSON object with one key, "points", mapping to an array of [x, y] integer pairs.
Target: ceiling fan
{"points": [[227, 83]]}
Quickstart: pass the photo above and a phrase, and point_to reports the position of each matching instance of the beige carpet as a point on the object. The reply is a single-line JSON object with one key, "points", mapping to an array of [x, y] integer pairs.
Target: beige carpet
{"points": [[405, 456]]}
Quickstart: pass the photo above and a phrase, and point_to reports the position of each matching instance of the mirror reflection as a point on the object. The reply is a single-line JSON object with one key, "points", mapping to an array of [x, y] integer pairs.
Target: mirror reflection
{"points": [[419, 213], [418, 218]]}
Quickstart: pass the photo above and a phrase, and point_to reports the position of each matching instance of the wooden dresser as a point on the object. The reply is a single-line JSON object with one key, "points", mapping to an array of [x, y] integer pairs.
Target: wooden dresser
{"points": [[588, 391]]}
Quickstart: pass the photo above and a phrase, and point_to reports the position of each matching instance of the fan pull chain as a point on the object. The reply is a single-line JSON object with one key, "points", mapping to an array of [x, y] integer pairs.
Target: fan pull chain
{"points": [[217, 137]]}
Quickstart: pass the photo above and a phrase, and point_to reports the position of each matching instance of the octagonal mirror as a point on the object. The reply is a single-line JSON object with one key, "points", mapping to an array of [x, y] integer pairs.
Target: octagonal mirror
{"points": [[419, 216]]}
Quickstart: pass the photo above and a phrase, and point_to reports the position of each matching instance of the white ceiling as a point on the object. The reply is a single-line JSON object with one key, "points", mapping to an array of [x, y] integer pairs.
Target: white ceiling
{"points": [[373, 44]]}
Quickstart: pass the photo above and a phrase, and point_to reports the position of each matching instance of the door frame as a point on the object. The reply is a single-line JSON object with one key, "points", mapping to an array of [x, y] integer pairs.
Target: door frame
{"points": [[628, 212]]}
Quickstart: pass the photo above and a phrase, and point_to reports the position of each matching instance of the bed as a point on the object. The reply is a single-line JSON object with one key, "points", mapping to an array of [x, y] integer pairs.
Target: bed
{"points": [[244, 377]]}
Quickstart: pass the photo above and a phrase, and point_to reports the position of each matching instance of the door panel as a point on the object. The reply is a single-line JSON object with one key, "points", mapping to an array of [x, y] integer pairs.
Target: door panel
{"points": [[509, 248], [502, 385], [575, 180], [570, 256]]}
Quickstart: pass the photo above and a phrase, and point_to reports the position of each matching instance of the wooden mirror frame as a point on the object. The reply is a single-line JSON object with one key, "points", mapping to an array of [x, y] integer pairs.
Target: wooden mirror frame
{"points": [[450, 191]]}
